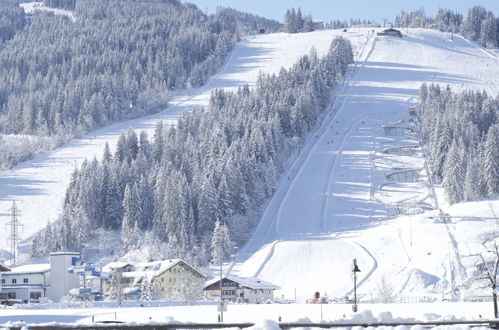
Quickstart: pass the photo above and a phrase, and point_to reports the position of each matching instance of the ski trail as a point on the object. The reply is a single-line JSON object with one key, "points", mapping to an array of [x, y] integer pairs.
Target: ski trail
{"points": [[323, 129], [369, 273], [329, 181], [267, 258]]}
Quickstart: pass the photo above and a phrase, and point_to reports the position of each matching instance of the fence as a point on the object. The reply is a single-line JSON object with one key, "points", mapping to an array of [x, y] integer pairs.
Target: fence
{"points": [[494, 324]]}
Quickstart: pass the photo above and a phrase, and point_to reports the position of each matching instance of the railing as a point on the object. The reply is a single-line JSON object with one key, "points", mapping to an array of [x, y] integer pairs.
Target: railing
{"points": [[494, 324]]}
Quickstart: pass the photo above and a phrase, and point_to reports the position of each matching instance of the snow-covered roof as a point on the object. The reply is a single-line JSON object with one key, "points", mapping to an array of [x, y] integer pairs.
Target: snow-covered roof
{"points": [[64, 253], [148, 269], [4, 268], [115, 265], [158, 267], [29, 269], [248, 282]]}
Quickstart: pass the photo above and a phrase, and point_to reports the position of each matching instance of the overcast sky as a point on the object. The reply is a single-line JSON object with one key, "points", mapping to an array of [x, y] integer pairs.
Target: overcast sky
{"points": [[344, 9]]}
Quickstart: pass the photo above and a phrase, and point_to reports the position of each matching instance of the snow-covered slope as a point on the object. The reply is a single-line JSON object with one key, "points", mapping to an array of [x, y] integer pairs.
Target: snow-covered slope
{"points": [[39, 185], [335, 203]]}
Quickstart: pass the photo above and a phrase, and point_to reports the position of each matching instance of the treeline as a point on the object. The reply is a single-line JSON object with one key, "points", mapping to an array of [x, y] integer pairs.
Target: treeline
{"points": [[11, 20], [244, 23], [337, 24], [219, 163], [295, 22], [17, 149], [115, 62], [479, 25], [462, 134]]}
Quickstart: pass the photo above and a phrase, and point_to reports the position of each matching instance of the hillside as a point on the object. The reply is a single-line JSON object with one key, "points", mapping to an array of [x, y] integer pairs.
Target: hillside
{"points": [[335, 202], [40, 184]]}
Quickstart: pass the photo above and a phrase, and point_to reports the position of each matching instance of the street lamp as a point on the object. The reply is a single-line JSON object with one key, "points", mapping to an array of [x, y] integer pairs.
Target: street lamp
{"points": [[355, 270]]}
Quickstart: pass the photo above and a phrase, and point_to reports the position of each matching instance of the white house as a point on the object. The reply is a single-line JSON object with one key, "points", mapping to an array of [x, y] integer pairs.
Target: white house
{"points": [[30, 283], [250, 290]]}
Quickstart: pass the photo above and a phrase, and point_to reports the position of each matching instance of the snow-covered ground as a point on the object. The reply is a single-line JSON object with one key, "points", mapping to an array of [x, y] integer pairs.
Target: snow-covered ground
{"points": [[260, 314], [334, 203]]}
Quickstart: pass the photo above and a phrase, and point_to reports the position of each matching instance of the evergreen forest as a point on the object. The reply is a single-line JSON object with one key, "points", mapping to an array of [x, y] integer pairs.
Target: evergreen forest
{"points": [[221, 164]]}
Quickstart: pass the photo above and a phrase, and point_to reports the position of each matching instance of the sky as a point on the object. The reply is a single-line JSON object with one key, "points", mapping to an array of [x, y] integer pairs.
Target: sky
{"points": [[328, 10]]}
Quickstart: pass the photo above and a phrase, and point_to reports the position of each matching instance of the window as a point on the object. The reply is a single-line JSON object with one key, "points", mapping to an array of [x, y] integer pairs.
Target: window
{"points": [[3, 280], [14, 280], [25, 280], [35, 295]]}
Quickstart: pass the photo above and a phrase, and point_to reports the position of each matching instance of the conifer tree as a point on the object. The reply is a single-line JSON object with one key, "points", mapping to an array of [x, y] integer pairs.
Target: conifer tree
{"points": [[491, 161]]}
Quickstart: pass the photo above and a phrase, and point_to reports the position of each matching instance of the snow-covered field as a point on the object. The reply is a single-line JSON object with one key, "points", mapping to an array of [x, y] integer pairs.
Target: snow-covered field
{"points": [[260, 314], [334, 203]]}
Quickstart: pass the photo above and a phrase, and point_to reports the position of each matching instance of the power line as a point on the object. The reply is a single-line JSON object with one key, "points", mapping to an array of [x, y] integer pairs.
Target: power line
{"points": [[14, 238]]}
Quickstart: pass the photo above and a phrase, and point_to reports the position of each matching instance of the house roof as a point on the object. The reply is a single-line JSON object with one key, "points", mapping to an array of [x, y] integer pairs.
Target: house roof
{"points": [[247, 282], [148, 270], [64, 253], [157, 268], [115, 265], [29, 269], [4, 268]]}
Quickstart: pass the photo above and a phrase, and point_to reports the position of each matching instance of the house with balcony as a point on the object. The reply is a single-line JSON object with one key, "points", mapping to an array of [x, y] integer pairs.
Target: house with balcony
{"points": [[249, 290], [164, 275]]}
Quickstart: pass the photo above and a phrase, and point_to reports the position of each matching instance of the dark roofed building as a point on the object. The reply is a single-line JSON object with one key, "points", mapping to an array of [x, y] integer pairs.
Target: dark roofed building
{"points": [[391, 32]]}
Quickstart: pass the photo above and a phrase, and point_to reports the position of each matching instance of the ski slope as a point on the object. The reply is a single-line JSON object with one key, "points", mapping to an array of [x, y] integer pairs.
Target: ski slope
{"points": [[39, 185], [334, 204]]}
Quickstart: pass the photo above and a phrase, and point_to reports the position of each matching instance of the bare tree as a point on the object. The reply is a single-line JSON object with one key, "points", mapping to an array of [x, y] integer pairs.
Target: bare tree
{"points": [[187, 288], [490, 274], [385, 291]]}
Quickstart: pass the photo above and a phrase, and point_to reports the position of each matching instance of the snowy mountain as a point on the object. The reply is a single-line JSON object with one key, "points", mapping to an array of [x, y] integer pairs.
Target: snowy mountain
{"points": [[336, 202], [339, 198]]}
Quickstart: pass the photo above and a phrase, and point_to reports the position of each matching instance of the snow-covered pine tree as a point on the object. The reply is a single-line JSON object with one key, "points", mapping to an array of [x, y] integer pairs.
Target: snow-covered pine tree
{"points": [[471, 190], [453, 174], [130, 232], [491, 161], [221, 245]]}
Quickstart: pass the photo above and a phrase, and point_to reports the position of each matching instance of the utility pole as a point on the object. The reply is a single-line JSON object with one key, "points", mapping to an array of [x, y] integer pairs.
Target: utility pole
{"points": [[221, 273], [14, 224]]}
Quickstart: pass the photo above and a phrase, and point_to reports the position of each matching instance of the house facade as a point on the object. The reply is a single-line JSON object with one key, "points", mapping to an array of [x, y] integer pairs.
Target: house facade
{"points": [[249, 290], [163, 274], [27, 283], [31, 283]]}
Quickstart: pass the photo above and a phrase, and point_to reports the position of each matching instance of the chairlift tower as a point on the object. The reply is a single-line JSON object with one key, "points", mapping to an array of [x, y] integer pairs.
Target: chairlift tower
{"points": [[14, 238]]}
